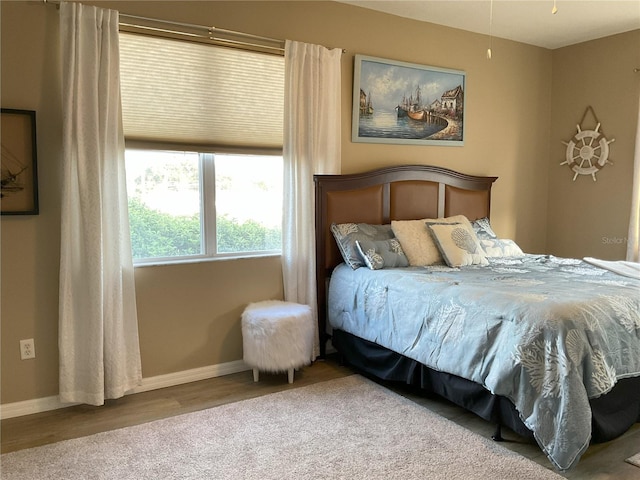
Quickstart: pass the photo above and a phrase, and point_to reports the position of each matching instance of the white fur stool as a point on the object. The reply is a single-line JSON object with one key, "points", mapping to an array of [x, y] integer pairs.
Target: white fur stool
{"points": [[277, 336]]}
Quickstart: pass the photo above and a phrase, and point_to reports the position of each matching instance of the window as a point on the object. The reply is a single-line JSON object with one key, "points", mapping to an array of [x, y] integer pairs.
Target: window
{"points": [[248, 203], [185, 107], [190, 205]]}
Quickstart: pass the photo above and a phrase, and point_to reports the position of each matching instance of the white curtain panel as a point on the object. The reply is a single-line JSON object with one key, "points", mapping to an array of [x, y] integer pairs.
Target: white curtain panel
{"points": [[311, 146], [633, 238], [98, 329]]}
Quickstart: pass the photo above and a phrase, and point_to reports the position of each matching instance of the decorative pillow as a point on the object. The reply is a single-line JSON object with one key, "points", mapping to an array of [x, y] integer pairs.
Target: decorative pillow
{"points": [[483, 229], [498, 247], [417, 242], [346, 235], [458, 244], [379, 254]]}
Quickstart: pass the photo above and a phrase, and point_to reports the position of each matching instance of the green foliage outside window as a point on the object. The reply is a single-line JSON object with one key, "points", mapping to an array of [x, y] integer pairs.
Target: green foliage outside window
{"points": [[249, 236], [155, 234]]}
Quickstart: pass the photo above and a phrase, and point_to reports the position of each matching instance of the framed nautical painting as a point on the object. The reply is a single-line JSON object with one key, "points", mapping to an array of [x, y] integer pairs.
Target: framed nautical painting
{"points": [[19, 187], [406, 103]]}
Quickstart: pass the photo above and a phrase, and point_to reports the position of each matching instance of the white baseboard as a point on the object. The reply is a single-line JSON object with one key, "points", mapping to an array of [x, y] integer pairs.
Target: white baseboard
{"points": [[194, 375], [28, 407], [37, 405]]}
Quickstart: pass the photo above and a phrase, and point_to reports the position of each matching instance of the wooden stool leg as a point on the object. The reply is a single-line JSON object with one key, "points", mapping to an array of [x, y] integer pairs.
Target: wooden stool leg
{"points": [[290, 375], [256, 375]]}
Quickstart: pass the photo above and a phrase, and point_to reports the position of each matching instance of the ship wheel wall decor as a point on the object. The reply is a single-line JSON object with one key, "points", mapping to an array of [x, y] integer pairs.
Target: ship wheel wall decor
{"points": [[588, 150]]}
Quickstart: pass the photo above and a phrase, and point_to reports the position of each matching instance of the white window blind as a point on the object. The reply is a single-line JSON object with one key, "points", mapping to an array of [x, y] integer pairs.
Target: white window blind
{"points": [[198, 94]]}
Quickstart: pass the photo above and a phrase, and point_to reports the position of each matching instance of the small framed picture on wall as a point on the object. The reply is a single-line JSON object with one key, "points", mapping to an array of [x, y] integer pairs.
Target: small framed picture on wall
{"points": [[19, 184]]}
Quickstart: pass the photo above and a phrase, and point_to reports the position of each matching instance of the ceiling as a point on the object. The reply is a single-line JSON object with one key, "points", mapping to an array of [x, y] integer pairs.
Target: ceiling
{"points": [[523, 21]]}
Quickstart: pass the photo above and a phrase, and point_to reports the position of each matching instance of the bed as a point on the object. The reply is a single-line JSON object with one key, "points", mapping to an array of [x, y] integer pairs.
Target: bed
{"points": [[546, 346]]}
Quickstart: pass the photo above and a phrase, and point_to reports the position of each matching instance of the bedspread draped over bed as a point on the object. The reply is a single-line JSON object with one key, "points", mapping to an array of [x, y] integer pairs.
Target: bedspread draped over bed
{"points": [[545, 332]]}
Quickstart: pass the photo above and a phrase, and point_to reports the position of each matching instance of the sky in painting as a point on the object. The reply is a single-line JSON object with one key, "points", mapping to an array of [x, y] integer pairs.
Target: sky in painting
{"points": [[386, 83]]}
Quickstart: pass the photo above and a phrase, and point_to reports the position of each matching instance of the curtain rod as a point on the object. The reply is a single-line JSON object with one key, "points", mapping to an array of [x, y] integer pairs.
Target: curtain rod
{"points": [[231, 38], [211, 33], [202, 33]]}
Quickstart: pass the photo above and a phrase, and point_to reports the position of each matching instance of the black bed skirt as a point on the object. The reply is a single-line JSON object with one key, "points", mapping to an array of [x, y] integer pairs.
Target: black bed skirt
{"points": [[612, 414]]}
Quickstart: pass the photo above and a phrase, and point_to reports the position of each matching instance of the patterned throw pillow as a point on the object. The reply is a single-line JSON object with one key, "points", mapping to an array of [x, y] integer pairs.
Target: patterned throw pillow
{"points": [[346, 235], [458, 244], [491, 244], [483, 229], [499, 247], [379, 254], [417, 242]]}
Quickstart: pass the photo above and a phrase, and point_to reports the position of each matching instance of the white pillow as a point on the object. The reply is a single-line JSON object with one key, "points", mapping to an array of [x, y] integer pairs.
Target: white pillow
{"points": [[417, 242], [458, 244]]}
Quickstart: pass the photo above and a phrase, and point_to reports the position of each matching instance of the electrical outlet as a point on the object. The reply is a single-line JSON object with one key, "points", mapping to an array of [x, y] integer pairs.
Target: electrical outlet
{"points": [[27, 349]]}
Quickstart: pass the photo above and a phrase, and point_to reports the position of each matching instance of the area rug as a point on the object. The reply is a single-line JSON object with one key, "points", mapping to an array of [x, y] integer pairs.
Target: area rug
{"points": [[634, 460], [349, 428]]}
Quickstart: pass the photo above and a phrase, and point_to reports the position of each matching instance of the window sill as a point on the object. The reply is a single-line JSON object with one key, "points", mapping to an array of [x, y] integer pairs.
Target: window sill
{"points": [[158, 263]]}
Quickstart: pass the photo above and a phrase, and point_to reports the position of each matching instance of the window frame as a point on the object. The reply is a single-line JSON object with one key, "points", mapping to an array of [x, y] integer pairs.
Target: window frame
{"points": [[208, 220]]}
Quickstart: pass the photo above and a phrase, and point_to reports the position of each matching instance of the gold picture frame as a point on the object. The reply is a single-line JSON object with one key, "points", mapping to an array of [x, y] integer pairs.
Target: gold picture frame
{"points": [[18, 166]]}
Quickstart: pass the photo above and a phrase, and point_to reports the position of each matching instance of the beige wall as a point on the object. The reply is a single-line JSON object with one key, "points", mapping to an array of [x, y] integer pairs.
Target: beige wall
{"points": [[30, 245], [189, 314], [587, 218]]}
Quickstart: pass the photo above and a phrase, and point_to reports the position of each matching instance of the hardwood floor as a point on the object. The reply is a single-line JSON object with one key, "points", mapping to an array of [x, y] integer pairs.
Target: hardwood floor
{"points": [[601, 461]]}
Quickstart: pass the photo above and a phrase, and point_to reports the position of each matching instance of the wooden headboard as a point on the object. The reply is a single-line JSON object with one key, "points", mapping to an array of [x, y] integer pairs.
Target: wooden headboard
{"points": [[406, 192]]}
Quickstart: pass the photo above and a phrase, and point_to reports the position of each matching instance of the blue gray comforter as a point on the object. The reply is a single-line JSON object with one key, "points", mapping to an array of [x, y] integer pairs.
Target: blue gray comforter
{"points": [[547, 333]]}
